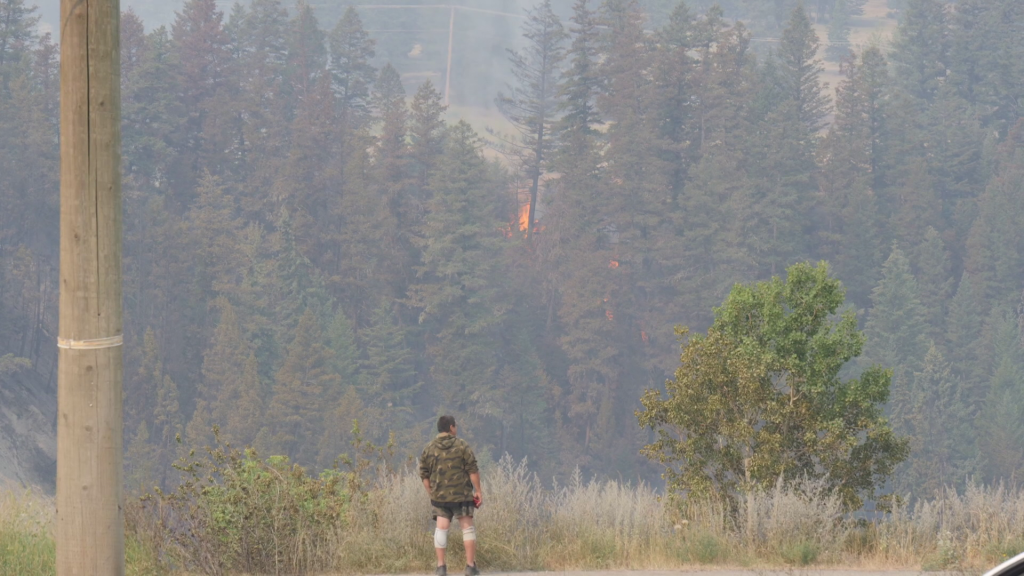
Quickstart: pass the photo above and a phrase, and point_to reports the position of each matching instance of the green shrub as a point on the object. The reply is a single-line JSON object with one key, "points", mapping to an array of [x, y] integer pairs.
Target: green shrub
{"points": [[235, 511]]}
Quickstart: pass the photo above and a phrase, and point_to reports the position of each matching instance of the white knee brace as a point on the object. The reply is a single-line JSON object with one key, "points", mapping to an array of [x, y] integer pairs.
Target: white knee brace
{"points": [[440, 538], [469, 534]]}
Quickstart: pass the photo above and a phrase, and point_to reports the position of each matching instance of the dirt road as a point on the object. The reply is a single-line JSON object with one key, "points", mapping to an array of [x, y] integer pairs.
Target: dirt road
{"points": [[722, 572]]}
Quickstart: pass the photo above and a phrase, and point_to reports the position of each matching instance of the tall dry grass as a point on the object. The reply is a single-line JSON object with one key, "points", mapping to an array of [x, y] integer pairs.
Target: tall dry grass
{"points": [[523, 525], [26, 533]]}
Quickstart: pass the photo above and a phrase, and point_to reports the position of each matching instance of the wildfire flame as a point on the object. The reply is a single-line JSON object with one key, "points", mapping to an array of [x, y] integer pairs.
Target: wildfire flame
{"points": [[524, 217], [613, 264], [609, 314]]}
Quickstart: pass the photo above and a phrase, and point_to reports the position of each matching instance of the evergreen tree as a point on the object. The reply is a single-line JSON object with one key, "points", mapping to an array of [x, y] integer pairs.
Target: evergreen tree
{"points": [[351, 50], [533, 103], [1000, 434], [295, 414], [921, 48], [457, 303], [580, 82], [140, 459], [936, 415], [200, 50], [995, 246], [896, 329], [801, 71], [307, 52], [345, 349], [963, 328], [932, 269], [17, 36], [167, 427], [426, 136], [839, 31], [388, 375]]}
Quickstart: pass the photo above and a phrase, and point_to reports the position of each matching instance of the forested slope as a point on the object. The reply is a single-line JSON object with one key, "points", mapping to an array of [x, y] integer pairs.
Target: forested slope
{"points": [[306, 243]]}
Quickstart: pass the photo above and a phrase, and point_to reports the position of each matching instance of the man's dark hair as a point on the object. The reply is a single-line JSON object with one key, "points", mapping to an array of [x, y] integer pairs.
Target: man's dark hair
{"points": [[445, 423]]}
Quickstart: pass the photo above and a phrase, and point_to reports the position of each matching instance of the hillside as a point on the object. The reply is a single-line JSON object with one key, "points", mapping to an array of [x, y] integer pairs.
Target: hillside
{"points": [[28, 442]]}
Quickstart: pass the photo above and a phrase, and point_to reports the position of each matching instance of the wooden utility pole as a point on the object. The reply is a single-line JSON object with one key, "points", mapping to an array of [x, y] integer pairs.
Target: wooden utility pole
{"points": [[90, 519], [448, 73]]}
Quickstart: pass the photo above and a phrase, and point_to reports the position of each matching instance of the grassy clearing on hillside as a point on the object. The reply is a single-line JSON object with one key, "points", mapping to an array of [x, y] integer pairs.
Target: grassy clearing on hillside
{"points": [[522, 526]]}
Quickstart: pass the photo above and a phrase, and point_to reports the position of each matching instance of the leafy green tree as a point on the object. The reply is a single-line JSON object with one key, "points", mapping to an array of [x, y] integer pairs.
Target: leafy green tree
{"points": [[532, 104], [759, 397]]}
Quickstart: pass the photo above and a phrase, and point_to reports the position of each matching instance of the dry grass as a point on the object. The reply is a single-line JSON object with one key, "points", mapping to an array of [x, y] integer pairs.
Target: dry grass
{"points": [[592, 525], [26, 533]]}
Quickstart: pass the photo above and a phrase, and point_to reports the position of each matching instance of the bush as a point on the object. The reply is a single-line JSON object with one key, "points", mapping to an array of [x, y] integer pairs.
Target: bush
{"points": [[234, 511]]}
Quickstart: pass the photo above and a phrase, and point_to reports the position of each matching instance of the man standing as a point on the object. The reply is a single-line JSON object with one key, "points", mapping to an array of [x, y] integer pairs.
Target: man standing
{"points": [[450, 475]]}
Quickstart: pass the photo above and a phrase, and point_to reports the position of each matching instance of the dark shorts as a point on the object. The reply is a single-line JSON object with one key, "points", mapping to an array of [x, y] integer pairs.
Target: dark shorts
{"points": [[451, 510]]}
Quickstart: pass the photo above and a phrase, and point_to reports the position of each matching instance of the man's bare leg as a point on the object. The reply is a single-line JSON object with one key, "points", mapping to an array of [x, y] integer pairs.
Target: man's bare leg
{"points": [[470, 545], [442, 524]]}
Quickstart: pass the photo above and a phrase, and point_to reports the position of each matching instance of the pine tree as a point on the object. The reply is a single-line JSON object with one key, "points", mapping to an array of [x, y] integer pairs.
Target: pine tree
{"points": [[167, 427], [351, 50], [200, 49], [839, 31], [963, 328], [344, 348], [142, 387], [295, 414], [388, 374], [17, 35], [1000, 437], [921, 48], [532, 104], [224, 366], [580, 82], [426, 136], [995, 246], [932, 268], [896, 328], [307, 52], [801, 70], [140, 462], [259, 41], [987, 77], [459, 240], [936, 415]]}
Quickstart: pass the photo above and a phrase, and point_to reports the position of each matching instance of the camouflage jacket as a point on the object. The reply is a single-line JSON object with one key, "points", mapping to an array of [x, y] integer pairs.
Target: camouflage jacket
{"points": [[447, 462]]}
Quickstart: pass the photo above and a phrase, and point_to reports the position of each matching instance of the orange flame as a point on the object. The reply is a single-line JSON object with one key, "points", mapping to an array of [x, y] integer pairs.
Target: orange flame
{"points": [[609, 314], [613, 264], [644, 337], [524, 217]]}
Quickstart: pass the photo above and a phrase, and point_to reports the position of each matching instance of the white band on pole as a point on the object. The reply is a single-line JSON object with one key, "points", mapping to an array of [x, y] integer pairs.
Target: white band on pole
{"points": [[94, 344]]}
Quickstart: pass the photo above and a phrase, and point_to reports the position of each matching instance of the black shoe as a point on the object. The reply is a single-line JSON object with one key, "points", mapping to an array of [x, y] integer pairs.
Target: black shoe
{"points": [[441, 571], [471, 570]]}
